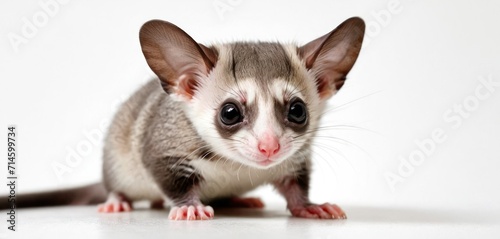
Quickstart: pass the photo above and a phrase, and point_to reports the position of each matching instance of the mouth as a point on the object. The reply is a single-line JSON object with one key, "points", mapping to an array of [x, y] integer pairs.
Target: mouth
{"points": [[256, 160], [266, 162], [259, 162]]}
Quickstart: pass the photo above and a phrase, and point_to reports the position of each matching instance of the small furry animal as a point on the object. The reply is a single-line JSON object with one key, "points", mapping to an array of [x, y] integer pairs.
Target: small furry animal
{"points": [[224, 119]]}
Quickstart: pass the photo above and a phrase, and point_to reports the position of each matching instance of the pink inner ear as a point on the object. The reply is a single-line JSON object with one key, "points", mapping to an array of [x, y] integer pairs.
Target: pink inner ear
{"points": [[327, 86], [324, 88], [175, 57], [332, 56], [187, 85]]}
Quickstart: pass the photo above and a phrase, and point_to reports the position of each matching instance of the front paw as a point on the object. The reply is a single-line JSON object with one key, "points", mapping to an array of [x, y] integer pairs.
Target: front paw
{"points": [[191, 212], [323, 211]]}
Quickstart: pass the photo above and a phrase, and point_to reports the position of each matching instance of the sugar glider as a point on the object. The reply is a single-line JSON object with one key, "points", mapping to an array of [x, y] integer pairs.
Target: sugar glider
{"points": [[221, 120]]}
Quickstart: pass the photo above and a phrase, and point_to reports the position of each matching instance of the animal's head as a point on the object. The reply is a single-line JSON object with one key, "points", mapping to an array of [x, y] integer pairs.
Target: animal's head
{"points": [[255, 103]]}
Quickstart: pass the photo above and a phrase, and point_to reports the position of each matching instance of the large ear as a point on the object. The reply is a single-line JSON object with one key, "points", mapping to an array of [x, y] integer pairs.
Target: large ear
{"points": [[332, 56], [175, 57]]}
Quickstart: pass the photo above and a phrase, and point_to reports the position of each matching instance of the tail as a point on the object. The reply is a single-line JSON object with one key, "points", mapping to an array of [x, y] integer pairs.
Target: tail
{"points": [[87, 195]]}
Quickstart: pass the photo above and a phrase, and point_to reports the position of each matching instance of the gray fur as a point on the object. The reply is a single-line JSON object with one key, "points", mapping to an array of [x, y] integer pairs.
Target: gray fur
{"points": [[150, 144], [173, 147], [147, 133], [169, 146], [263, 61]]}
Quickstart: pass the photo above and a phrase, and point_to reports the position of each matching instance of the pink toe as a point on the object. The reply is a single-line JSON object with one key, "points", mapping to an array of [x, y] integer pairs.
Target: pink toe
{"points": [[191, 215], [126, 207], [173, 213], [324, 211], [108, 208], [116, 207], [191, 212]]}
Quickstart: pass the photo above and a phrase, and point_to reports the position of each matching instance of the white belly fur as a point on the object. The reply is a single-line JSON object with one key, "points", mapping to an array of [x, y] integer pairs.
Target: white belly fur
{"points": [[220, 179], [227, 178]]}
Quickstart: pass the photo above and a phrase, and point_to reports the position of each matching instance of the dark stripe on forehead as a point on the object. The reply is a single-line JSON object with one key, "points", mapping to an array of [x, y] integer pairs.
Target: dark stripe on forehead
{"points": [[263, 61]]}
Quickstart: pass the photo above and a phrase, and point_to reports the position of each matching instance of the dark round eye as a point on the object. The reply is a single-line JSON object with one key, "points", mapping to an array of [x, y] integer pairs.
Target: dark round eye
{"points": [[297, 112], [230, 114]]}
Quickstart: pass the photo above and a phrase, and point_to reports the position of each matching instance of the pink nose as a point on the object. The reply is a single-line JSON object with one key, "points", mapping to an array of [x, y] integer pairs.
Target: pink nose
{"points": [[268, 145]]}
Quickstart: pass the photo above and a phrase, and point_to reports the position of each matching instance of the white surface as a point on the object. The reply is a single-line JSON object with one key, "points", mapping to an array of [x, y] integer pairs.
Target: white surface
{"points": [[415, 66], [274, 222]]}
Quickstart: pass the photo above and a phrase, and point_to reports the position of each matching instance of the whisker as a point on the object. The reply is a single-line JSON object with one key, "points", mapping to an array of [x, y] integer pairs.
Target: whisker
{"points": [[343, 156], [346, 142], [342, 127], [348, 103], [328, 162]]}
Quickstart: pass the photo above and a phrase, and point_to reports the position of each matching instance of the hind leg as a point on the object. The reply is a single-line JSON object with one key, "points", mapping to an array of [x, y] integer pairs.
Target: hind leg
{"points": [[116, 202], [249, 202], [238, 202], [158, 204]]}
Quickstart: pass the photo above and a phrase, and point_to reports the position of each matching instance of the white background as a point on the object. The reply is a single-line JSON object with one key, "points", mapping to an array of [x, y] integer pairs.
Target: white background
{"points": [[420, 59]]}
